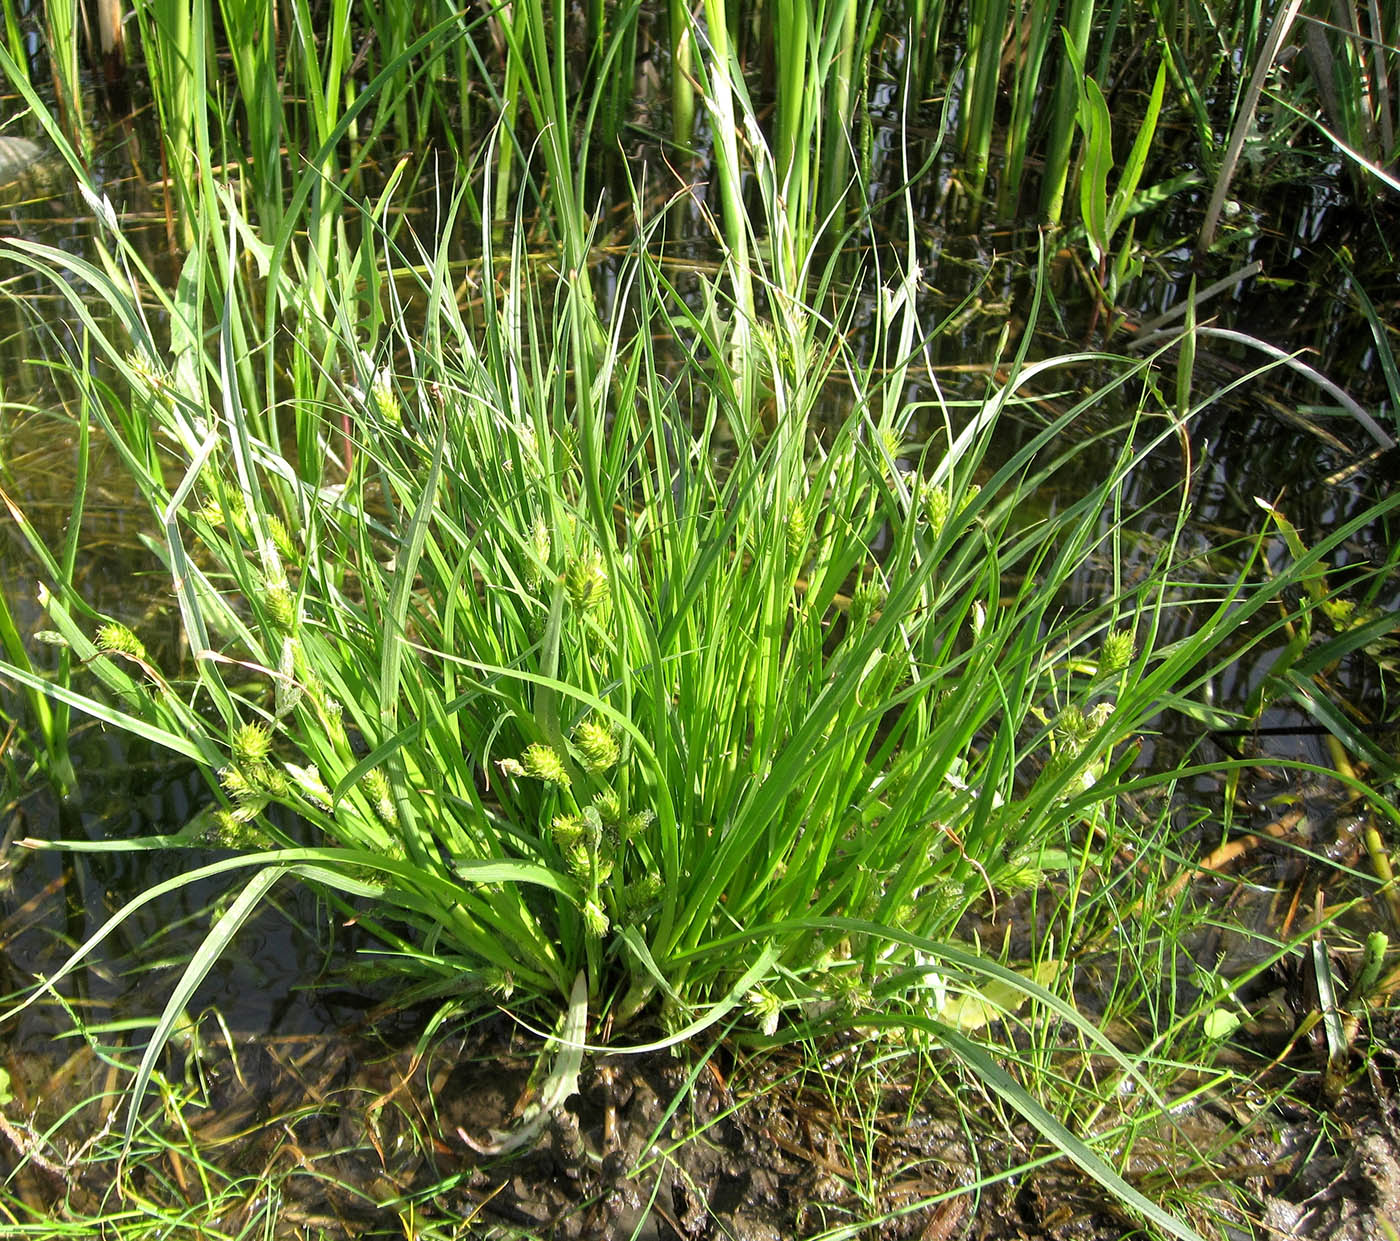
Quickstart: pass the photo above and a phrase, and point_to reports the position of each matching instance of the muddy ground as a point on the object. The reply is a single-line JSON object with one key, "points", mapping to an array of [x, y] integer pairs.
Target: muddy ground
{"points": [[360, 1141]]}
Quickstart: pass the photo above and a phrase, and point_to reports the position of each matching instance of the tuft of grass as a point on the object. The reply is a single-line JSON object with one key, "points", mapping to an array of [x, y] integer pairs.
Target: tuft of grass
{"points": [[663, 655]]}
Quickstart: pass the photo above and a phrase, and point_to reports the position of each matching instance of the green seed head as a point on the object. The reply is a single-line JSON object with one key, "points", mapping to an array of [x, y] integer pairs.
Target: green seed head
{"points": [[236, 784], [892, 447], [147, 370], [1118, 651], [382, 392], [868, 599], [231, 832], [586, 580], [596, 746], [281, 539], [580, 862], [936, 509], [765, 1008], [252, 744], [1073, 727], [609, 808], [273, 781], [543, 763], [538, 564], [635, 824], [567, 830], [117, 638], [281, 607], [595, 919], [381, 796], [798, 532]]}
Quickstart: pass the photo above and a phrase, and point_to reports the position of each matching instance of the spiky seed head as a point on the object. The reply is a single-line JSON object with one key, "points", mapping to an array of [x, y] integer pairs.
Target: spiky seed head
{"points": [[230, 831], [609, 807], [273, 781], [936, 509], [580, 862], [892, 447], [635, 824], [586, 580], [236, 783], [766, 1008], [117, 638], [596, 746], [281, 538], [567, 830], [147, 370], [1073, 726], [381, 390], [500, 983], [281, 607], [1118, 651], [543, 763], [381, 796], [252, 744], [595, 919], [869, 598], [799, 532], [538, 564]]}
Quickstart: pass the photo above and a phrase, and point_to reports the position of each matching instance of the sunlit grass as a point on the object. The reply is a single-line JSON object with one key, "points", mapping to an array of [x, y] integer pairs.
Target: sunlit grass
{"points": [[678, 664]]}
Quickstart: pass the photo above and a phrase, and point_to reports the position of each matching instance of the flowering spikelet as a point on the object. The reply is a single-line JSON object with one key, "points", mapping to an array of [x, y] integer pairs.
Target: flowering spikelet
{"points": [[236, 784], [596, 746], [1118, 651], [381, 797], [538, 564], [146, 368], [936, 509], [586, 580], [765, 1007], [381, 389], [281, 539], [608, 806], [892, 446], [543, 763], [580, 862], [231, 832], [1072, 727], [117, 638], [281, 607], [644, 892], [868, 598], [798, 532], [567, 830], [595, 919], [252, 743]]}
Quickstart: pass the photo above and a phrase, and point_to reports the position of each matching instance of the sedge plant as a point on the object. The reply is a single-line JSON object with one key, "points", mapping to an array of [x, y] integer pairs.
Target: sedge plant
{"points": [[614, 670]]}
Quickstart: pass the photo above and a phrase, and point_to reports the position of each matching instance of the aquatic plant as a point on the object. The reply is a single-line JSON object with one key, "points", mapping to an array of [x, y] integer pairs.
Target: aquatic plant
{"points": [[659, 655]]}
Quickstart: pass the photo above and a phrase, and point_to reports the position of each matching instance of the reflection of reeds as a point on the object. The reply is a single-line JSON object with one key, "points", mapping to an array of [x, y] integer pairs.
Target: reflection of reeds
{"points": [[526, 77]]}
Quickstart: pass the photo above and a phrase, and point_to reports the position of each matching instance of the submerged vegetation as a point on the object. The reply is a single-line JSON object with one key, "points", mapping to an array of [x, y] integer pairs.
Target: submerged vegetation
{"points": [[669, 654]]}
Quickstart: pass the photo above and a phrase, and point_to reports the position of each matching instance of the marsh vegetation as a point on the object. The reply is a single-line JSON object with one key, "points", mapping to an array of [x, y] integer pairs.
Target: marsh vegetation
{"points": [[678, 653]]}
